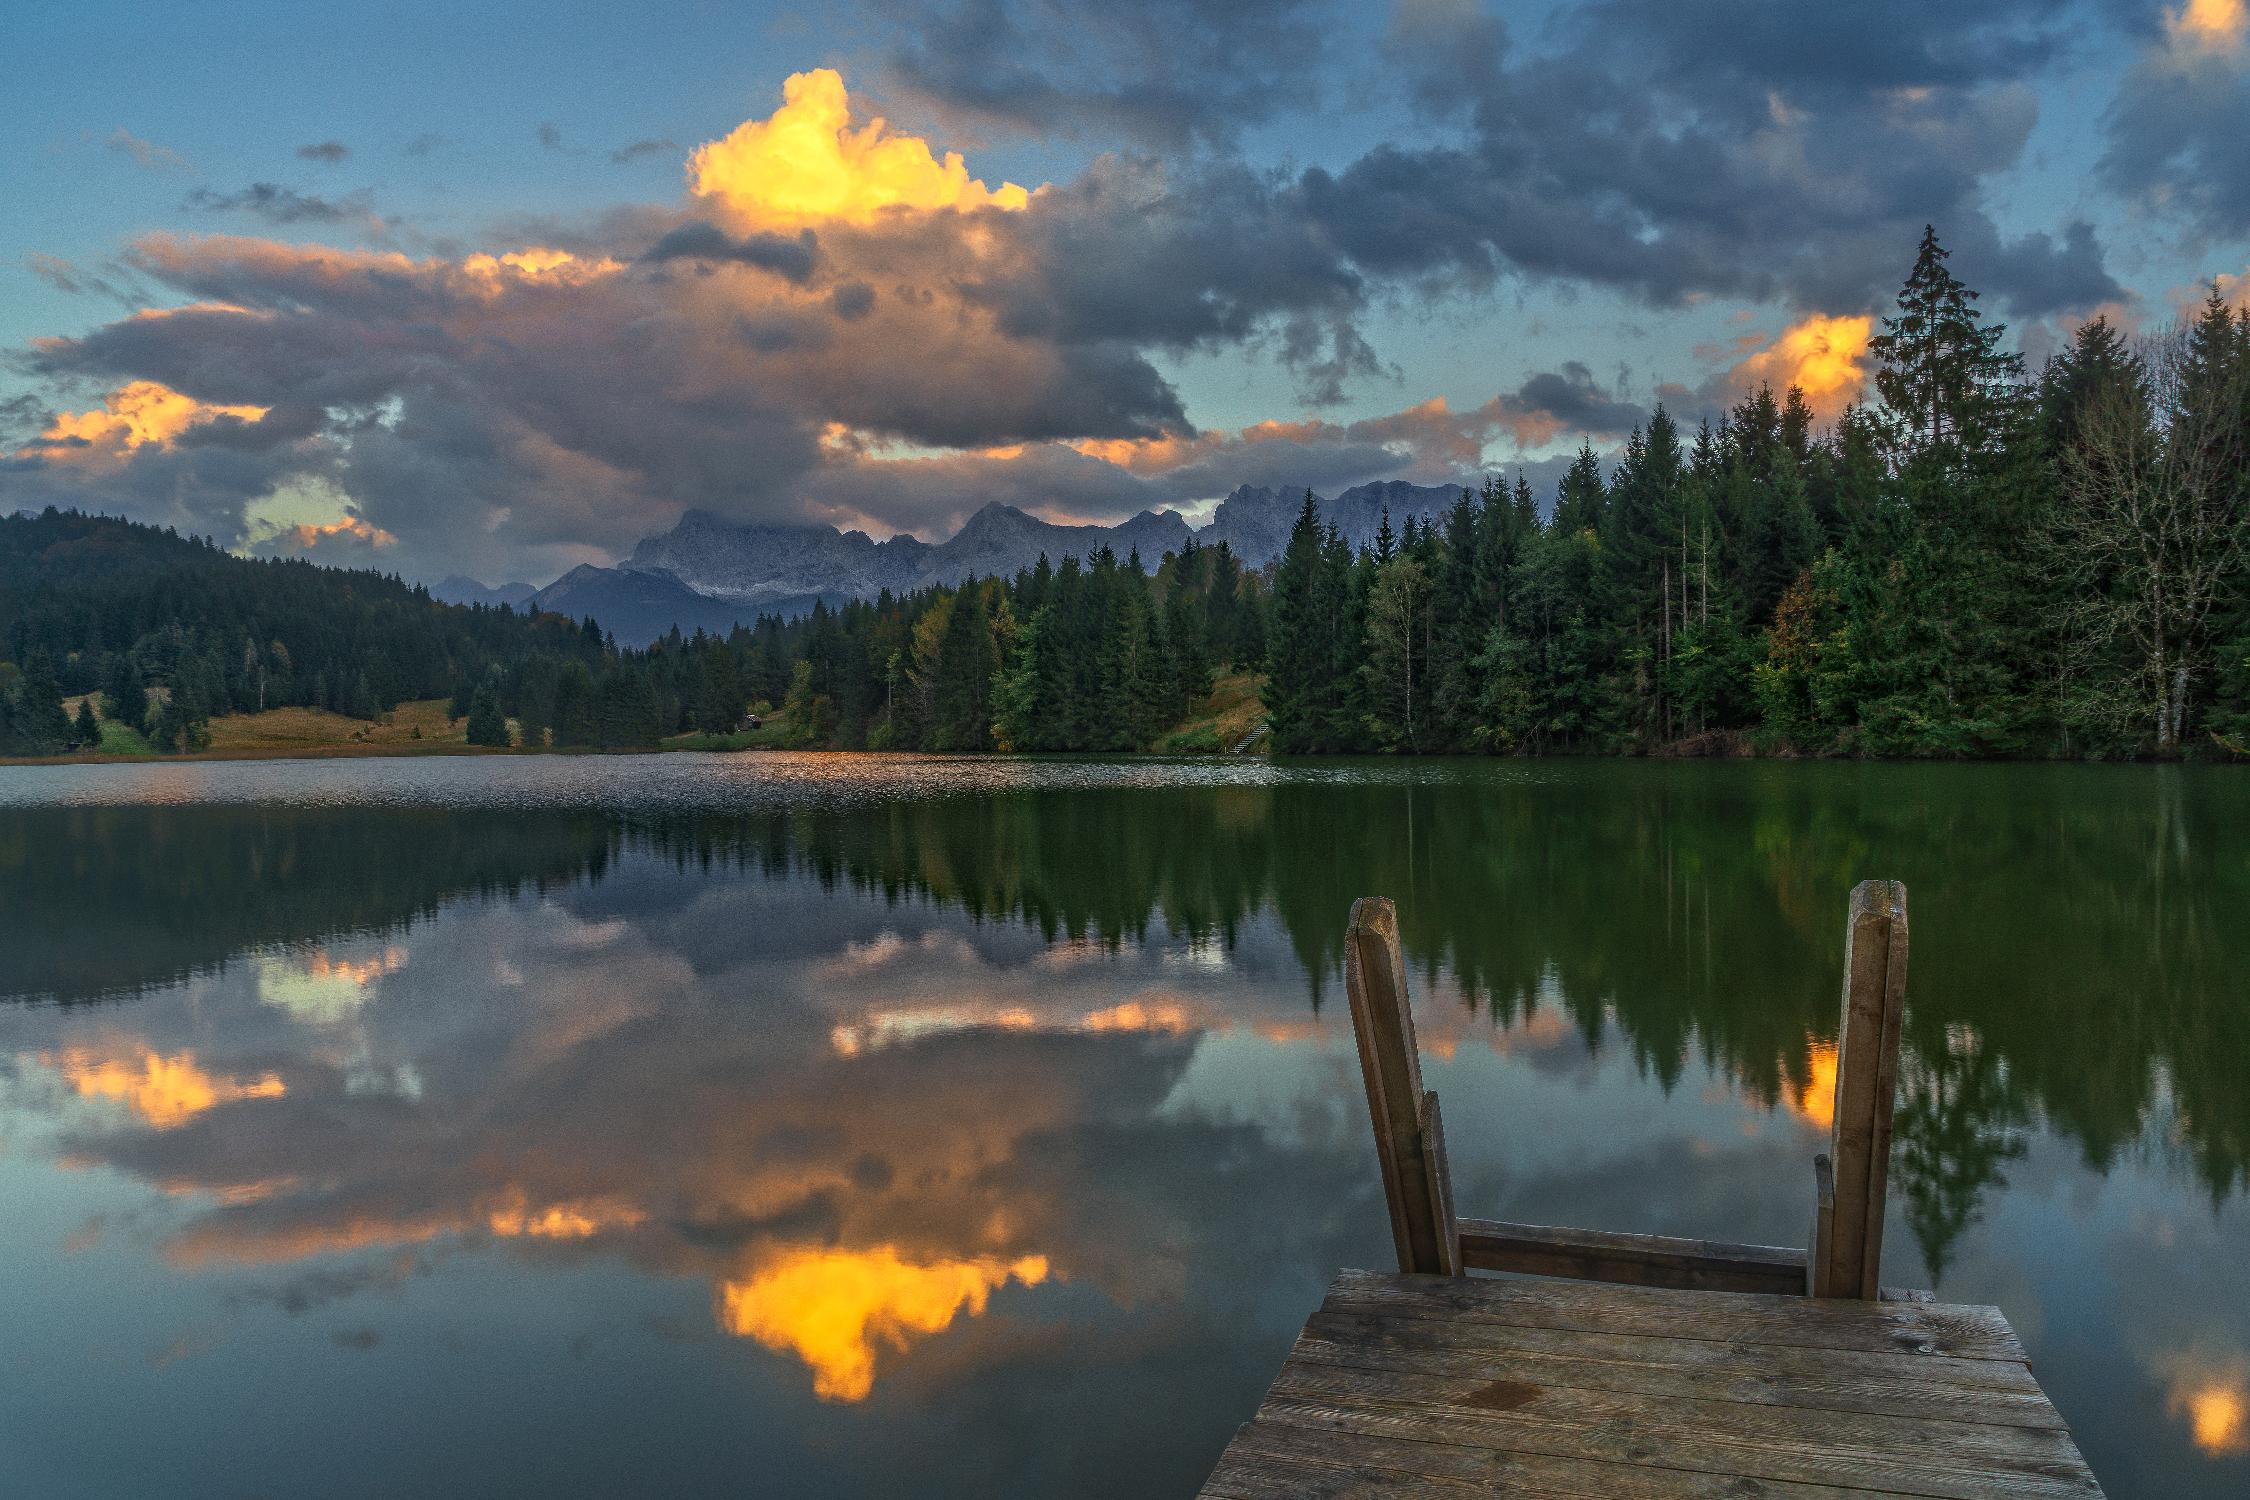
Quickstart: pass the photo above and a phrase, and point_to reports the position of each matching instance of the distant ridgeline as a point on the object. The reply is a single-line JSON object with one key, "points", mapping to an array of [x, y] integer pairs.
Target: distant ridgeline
{"points": [[1980, 564]]}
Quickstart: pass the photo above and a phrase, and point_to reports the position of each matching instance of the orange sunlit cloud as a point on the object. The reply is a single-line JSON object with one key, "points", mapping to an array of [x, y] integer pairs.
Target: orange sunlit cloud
{"points": [[806, 165], [137, 413], [309, 535], [830, 1306], [1134, 1015], [536, 266], [1823, 356], [1816, 1100], [886, 1027], [164, 1091], [2234, 288], [2209, 26], [580, 1220], [2213, 1398]]}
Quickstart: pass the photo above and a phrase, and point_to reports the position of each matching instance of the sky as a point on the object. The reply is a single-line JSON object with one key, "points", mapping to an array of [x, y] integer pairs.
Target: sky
{"points": [[499, 289]]}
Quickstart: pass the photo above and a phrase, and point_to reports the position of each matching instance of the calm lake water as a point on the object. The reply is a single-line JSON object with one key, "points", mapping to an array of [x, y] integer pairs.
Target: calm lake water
{"points": [[871, 1126]]}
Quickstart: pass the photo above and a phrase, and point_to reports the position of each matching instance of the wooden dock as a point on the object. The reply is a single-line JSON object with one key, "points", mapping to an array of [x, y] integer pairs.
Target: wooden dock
{"points": [[1656, 1367]]}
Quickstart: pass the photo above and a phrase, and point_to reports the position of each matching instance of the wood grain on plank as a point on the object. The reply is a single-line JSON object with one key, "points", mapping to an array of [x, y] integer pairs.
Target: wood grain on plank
{"points": [[1417, 1467], [1741, 1317], [1634, 1259], [1870, 1435], [1903, 1473], [1844, 1381]]}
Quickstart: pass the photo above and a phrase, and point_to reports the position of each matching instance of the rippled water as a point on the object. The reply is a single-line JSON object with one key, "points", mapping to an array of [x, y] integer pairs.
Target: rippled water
{"points": [[871, 1126]]}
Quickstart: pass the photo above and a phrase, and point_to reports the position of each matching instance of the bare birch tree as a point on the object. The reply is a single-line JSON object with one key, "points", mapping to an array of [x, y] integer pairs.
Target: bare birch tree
{"points": [[2150, 526]]}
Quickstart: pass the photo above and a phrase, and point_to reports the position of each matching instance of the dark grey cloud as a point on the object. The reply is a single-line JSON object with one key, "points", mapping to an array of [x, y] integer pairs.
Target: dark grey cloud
{"points": [[1166, 73], [281, 205], [1666, 152], [21, 418], [2178, 137], [852, 300], [287, 422], [1576, 403], [789, 256], [329, 152], [427, 142], [1194, 258], [639, 149]]}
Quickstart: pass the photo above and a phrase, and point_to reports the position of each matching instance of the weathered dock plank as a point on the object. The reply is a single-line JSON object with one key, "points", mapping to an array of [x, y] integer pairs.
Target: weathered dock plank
{"points": [[1425, 1385]]}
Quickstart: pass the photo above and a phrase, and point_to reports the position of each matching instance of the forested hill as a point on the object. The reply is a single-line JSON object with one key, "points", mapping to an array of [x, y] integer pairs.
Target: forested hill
{"points": [[172, 630], [1985, 561]]}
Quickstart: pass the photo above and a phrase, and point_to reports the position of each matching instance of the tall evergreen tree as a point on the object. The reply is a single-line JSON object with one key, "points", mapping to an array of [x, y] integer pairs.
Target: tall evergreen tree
{"points": [[1943, 378]]}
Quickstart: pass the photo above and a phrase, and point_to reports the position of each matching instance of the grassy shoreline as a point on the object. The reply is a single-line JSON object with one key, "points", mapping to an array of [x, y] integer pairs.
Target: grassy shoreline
{"points": [[1214, 726]]}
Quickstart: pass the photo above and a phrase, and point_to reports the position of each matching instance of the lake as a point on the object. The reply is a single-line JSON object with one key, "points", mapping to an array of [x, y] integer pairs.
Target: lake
{"points": [[833, 1125]]}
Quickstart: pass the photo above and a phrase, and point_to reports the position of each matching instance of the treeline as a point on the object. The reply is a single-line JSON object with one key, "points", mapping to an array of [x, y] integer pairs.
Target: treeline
{"points": [[1978, 564], [169, 631], [164, 632], [1093, 655]]}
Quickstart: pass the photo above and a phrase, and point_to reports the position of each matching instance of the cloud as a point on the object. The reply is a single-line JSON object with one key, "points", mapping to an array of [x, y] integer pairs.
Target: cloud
{"points": [[307, 536], [1738, 150], [280, 205], [550, 135], [67, 277], [146, 154], [2178, 130], [134, 415], [524, 409], [1166, 73], [2209, 28], [425, 143], [842, 320], [832, 1306], [789, 256], [328, 152], [530, 408], [639, 149], [807, 165], [1825, 357]]}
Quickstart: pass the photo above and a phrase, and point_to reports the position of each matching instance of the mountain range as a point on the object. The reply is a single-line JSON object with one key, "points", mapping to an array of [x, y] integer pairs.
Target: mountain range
{"points": [[711, 573]]}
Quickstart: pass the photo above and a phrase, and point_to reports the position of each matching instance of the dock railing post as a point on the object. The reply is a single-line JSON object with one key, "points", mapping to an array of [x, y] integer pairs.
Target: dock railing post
{"points": [[1409, 1132], [1852, 1182]]}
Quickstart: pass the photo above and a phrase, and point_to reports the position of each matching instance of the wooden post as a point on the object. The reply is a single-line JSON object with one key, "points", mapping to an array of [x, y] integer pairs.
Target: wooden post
{"points": [[1847, 1250], [1409, 1133]]}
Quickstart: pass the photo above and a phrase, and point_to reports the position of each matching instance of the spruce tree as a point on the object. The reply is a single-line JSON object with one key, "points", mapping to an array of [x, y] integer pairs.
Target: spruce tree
{"points": [[1943, 379], [961, 697], [487, 725], [1582, 496], [124, 695], [40, 719], [1301, 629]]}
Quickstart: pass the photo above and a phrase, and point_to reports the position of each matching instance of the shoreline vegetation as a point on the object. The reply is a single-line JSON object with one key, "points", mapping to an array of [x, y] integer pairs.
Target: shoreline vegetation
{"points": [[1231, 714], [1978, 564]]}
